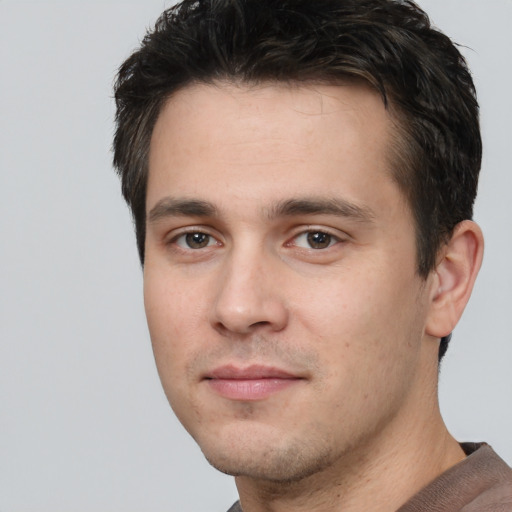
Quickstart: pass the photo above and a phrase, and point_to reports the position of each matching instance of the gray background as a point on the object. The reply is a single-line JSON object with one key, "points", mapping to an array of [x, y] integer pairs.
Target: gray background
{"points": [[84, 424]]}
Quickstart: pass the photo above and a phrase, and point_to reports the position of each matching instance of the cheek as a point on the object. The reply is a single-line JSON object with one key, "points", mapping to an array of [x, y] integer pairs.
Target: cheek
{"points": [[174, 316], [167, 322], [363, 321], [363, 330], [172, 306]]}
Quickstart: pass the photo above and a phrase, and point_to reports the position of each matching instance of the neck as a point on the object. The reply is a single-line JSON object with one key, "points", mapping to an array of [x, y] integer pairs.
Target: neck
{"points": [[402, 458], [380, 478]]}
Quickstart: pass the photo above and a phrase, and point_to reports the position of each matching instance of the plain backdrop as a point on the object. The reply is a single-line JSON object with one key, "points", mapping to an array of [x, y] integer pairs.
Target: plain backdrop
{"points": [[84, 424]]}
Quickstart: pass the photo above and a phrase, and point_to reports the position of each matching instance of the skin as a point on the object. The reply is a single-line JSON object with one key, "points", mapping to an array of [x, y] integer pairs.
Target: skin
{"points": [[256, 174]]}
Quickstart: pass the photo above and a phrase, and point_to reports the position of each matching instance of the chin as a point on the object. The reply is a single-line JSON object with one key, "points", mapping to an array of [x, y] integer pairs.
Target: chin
{"points": [[282, 461]]}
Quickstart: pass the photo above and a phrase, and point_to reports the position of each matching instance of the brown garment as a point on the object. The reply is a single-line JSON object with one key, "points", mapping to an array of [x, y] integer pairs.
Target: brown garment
{"points": [[482, 482]]}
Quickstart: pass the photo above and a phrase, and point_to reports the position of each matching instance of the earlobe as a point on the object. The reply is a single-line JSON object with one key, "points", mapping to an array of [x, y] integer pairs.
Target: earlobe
{"points": [[454, 277]]}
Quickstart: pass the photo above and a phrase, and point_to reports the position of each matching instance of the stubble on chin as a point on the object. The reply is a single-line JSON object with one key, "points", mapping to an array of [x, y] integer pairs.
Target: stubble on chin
{"points": [[285, 464]]}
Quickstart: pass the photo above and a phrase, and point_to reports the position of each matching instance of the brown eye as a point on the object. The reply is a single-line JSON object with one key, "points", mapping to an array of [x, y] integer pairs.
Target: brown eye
{"points": [[319, 240], [315, 240], [196, 240]]}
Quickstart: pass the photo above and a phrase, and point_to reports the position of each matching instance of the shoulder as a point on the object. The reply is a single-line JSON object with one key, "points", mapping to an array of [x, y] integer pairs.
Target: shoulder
{"points": [[482, 482], [236, 507], [494, 483]]}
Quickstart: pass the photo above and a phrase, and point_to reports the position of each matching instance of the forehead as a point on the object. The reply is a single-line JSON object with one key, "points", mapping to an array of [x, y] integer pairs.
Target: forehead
{"points": [[267, 109], [261, 140]]}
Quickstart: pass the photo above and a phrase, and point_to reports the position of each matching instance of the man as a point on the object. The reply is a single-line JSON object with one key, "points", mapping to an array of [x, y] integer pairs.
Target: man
{"points": [[301, 176]]}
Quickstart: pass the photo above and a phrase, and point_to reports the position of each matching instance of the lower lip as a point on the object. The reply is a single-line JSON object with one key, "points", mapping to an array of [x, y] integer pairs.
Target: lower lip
{"points": [[250, 389]]}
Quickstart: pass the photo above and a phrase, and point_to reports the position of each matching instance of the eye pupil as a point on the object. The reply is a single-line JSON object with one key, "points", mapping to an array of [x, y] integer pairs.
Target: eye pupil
{"points": [[319, 240], [197, 240]]}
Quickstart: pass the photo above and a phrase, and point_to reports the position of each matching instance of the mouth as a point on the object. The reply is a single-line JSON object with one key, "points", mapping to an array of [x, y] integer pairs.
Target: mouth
{"points": [[251, 383]]}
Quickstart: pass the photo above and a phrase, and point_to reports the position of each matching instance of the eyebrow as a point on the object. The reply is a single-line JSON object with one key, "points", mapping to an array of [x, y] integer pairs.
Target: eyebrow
{"points": [[170, 207], [321, 206]]}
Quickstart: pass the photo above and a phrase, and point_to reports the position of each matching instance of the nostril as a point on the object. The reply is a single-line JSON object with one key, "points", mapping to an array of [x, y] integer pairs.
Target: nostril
{"points": [[257, 324], [230, 328]]}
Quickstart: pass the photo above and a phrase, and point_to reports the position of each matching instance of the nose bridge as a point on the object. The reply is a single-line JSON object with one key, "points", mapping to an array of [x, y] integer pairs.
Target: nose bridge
{"points": [[247, 292]]}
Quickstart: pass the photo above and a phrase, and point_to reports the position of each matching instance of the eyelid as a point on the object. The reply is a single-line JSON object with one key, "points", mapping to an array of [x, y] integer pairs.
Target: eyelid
{"points": [[175, 234], [184, 244], [339, 236], [332, 240]]}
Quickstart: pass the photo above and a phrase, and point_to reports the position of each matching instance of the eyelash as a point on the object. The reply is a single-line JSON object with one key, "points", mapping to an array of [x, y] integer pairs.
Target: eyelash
{"points": [[307, 233], [310, 233], [193, 232]]}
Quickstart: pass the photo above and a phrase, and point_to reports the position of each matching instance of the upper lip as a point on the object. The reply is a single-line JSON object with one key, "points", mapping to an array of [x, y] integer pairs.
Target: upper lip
{"points": [[252, 372]]}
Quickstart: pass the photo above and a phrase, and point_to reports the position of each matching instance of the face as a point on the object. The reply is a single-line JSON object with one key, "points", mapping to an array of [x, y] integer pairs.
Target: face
{"points": [[285, 311]]}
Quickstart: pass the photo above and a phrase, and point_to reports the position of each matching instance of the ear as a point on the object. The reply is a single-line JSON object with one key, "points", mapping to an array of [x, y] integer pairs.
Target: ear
{"points": [[453, 278]]}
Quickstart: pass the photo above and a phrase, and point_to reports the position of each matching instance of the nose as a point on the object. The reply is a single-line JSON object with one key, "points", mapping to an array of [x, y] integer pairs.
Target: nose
{"points": [[250, 296]]}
